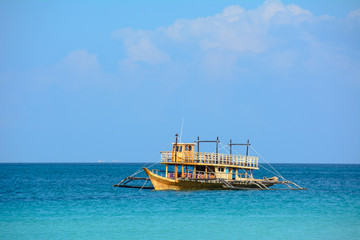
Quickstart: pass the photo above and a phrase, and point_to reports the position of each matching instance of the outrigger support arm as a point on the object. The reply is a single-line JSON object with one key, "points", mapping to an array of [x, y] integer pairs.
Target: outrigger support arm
{"points": [[127, 180]]}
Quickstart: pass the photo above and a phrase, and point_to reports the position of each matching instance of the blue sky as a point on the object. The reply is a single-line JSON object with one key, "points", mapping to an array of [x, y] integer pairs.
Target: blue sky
{"points": [[112, 80]]}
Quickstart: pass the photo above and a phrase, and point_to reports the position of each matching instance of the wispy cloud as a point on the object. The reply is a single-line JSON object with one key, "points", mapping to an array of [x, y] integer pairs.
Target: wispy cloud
{"points": [[77, 69], [274, 36], [354, 14], [80, 62], [232, 44], [139, 46], [234, 29]]}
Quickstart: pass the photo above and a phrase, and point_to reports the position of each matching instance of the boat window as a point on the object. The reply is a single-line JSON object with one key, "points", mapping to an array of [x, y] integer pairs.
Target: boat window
{"points": [[177, 148], [180, 149], [186, 148], [189, 148]]}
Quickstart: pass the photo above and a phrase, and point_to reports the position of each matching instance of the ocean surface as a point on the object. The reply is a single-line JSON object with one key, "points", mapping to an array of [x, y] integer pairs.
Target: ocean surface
{"points": [[78, 201]]}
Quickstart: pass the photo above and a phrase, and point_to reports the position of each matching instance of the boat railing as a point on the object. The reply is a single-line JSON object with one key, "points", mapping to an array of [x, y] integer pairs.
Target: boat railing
{"points": [[197, 174], [160, 172], [210, 158], [192, 174], [189, 174]]}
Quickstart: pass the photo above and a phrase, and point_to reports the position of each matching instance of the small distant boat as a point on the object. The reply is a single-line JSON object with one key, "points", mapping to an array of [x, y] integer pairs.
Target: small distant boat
{"points": [[186, 169]]}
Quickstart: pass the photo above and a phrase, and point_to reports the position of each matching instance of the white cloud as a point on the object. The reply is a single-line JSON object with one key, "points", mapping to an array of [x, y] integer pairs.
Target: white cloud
{"points": [[76, 70], [145, 51], [275, 12], [228, 30], [231, 13], [80, 62], [238, 30], [354, 14], [140, 47], [234, 29], [79, 68], [275, 36]]}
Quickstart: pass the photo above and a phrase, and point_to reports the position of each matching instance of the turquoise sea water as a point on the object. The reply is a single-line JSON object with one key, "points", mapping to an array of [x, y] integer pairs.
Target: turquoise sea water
{"points": [[77, 201]]}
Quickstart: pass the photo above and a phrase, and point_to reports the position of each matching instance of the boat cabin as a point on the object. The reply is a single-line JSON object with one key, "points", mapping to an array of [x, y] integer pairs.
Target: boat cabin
{"points": [[180, 151]]}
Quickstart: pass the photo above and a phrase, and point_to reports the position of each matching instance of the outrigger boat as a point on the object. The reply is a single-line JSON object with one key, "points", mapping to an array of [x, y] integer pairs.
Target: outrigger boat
{"points": [[206, 171]]}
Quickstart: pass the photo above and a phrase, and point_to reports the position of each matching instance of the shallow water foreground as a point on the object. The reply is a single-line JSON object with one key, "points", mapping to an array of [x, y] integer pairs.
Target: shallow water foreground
{"points": [[77, 201]]}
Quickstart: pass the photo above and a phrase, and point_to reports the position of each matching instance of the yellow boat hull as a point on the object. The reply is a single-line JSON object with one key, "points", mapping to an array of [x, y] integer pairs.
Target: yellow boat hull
{"points": [[163, 183]]}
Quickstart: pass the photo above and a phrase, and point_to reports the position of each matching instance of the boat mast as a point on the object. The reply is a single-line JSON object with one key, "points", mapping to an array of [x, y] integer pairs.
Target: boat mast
{"points": [[176, 139], [198, 145], [176, 166], [217, 145], [247, 150]]}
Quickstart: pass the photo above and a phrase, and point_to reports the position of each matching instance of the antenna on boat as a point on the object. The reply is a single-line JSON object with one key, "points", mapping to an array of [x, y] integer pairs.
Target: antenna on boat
{"points": [[182, 126]]}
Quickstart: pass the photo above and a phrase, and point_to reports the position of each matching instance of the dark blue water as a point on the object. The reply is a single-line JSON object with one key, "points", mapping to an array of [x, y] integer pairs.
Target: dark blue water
{"points": [[77, 201]]}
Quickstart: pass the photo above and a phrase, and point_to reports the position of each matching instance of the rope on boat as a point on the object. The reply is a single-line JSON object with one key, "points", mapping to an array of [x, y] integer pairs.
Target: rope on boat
{"points": [[224, 147], [182, 126], [268, 163], [272, 172], [143, 185], [276, 174], [141, 169]]}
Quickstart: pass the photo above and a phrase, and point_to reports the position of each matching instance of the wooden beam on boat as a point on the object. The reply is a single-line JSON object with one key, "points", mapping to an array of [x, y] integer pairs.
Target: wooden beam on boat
{"points": [[210, 164], [207, 141], [175, 150], [240, 144], [130, 186], [127, 180]]}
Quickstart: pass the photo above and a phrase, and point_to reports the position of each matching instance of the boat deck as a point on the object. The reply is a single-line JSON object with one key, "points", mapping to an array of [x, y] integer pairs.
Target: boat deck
{"points": [[210, 159]]}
